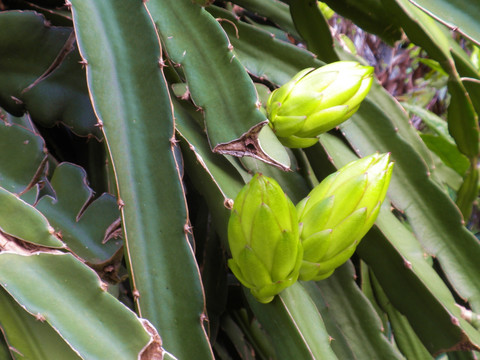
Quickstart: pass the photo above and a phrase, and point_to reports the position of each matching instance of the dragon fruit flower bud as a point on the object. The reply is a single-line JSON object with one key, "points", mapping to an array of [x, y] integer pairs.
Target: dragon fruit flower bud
{"points": [[263, 235], [315, 101], [339, 212]]}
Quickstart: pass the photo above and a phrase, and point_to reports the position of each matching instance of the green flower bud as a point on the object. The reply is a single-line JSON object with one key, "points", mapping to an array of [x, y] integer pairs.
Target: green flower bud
{"points": [[339, 212], [316, 101], [264, 239]]}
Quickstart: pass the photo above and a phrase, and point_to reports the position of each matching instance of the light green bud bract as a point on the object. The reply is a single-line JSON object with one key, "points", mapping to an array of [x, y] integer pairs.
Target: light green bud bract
{"points": [[316, 101], [339, 211], [263, 235]]}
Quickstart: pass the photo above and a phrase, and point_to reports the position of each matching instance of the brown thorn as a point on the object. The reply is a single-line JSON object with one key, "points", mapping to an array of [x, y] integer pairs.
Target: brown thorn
{"points": [[228, 203], [40, 317], [455, 321], [99, 124], [187, 228], [16, 100], [174, 141], [83, 62], [136, 294], [120, 204]]}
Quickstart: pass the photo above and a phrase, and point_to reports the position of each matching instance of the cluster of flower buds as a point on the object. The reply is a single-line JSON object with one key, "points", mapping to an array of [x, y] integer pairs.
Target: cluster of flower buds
{"points": [[316, 101], [272, 246]]}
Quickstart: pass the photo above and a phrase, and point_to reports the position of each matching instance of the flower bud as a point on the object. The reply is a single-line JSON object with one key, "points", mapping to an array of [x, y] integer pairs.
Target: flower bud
{"points": [[339, 212], [316, 101], [264, 239]]}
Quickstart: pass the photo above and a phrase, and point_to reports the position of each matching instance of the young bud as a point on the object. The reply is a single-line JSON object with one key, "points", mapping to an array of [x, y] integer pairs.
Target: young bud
{"points": [[264, 239], [338, 213], [316, 101]]}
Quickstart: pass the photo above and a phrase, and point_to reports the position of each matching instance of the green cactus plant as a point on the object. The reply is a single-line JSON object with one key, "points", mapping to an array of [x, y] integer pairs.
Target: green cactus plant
{"points": [[127, 128]]}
